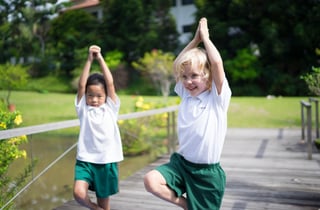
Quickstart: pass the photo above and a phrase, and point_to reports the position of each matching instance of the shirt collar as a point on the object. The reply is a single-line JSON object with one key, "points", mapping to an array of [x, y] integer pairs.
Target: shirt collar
{"points": [[201, 96], [102, 107]]}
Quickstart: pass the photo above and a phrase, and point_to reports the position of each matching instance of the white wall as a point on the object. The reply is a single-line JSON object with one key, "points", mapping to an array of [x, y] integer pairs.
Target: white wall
{"points": [[184, 15]]}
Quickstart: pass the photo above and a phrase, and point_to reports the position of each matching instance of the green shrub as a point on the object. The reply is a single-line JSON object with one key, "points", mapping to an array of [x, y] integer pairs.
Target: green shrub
{"points": [[313, 80], [141, 135], [12, 77], [9, 152]]}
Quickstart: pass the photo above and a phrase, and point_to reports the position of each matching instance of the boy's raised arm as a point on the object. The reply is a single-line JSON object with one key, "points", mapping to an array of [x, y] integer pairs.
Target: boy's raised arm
{"points": [[192, 44], [84, 76], [214, 57], [108, 77]]}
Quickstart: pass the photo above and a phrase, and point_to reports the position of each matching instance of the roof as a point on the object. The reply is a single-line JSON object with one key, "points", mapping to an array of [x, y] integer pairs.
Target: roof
{"points": [[81, 4]]}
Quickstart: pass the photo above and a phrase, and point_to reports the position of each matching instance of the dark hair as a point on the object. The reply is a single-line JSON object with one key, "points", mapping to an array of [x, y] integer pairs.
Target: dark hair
{"points": [[97, 79]]}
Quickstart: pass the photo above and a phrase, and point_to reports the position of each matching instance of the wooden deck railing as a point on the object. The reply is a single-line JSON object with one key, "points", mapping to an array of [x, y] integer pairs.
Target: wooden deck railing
{"points": [[306, 122], [6, 134]]}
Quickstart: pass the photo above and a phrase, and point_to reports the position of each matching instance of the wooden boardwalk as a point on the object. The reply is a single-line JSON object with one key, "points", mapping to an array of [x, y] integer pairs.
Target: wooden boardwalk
{"points": [[266, 169]]}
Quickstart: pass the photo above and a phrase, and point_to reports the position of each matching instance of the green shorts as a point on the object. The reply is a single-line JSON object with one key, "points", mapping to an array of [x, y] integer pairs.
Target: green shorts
{"points": [[102, 178], [203, 184]]}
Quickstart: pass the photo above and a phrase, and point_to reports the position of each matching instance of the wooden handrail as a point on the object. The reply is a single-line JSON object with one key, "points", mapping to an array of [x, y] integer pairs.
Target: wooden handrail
{"points": [[5, 134]]}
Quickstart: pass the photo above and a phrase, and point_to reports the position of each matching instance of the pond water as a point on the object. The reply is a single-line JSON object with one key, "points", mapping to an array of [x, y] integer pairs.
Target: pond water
{"points": [[54, 187]]}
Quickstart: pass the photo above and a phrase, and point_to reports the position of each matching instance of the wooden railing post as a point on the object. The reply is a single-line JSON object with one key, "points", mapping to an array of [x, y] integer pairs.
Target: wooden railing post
{"points": [[316, 102], [309, 136], [174, 131], [168, 133], [302, 121], [309, 126], [171, 132]]}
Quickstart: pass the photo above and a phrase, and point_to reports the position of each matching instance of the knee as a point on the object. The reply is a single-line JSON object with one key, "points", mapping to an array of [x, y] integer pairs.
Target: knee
{"points": [[151, 181], [79, 194], [147, 181]]}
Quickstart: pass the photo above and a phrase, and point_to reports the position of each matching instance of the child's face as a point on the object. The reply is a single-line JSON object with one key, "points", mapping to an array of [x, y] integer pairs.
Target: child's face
{"points": [[194, 81], [95, 95]]}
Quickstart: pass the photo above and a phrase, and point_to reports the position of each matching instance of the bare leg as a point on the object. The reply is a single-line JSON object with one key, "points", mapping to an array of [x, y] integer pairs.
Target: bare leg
{"points": [[104, 203], [155, 183], [80, 193]]}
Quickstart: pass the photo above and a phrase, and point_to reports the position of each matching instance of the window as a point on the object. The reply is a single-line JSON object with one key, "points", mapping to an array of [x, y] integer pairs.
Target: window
{"points": [[186, 2], [95, 14], [187, 28]]}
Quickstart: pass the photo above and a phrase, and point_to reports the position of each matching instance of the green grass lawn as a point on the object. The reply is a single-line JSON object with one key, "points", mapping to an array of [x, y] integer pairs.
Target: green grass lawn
{"points": [[244, 112], [260, 112]]}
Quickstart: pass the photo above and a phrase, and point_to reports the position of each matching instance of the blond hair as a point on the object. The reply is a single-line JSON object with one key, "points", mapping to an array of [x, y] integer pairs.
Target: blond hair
{"points": [[198, 59]]}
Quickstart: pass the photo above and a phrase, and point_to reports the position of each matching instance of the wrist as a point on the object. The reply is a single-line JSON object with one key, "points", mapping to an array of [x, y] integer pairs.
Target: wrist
{"points": [[196, 41], [206, 39]]}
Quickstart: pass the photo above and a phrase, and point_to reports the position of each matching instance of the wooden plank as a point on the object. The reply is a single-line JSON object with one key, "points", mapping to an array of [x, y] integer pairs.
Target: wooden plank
{"points": [[281, 177]]}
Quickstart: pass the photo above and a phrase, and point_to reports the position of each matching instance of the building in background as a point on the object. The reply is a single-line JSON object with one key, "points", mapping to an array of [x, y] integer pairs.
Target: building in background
{"points": [[184, 13], [182, 10], [91, 6]]}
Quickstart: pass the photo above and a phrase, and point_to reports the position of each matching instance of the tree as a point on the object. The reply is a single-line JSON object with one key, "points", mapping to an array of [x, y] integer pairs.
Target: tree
{"points": [[113, 60], [135, 27], [138, 26], [12, 77], [244, 69], [164, 26], [158, 66], [24, 26], [285, 34], [72, 30]]}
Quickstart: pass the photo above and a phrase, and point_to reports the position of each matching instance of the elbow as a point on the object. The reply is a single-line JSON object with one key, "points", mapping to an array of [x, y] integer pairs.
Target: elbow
{"points": [[216, 63], [81, 86]]}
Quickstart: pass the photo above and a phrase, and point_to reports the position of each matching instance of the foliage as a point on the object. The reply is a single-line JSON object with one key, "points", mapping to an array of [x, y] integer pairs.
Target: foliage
{"points": [[140, 135], [12, 77], [244, 68], [134, 137], [72, 30], [158, 66], [24, 27], [9, 152], [313, 80], [142, 26], [47, 84], [54, 38], [112, 58], [284, 33]]}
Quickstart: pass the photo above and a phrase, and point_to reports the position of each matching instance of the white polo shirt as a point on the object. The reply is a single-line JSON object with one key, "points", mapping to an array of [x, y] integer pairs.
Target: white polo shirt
{"points": [[99, 138], [202, 123]]}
